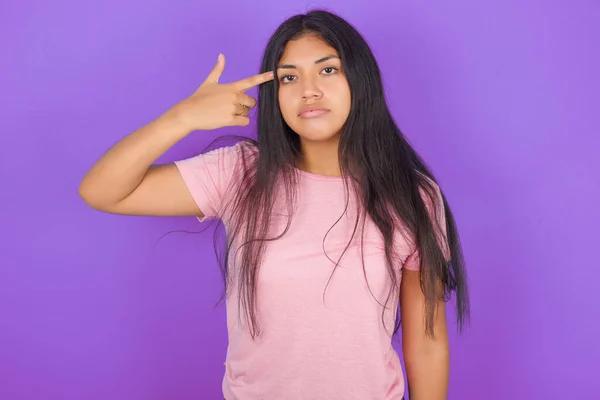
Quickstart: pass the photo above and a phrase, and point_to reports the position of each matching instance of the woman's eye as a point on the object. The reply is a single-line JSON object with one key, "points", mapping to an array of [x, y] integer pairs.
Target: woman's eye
{"points": [[290, 78], [286, 78]]}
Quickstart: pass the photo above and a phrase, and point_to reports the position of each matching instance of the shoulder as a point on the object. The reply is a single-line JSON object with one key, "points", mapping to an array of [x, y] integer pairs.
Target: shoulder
{"points": [[211, 175], [431, 192], [231, 152], [220, 158]]}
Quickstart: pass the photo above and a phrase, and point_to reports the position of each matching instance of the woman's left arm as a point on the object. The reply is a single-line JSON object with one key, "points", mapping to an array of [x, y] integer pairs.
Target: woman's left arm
{"points": [[427, 360]]}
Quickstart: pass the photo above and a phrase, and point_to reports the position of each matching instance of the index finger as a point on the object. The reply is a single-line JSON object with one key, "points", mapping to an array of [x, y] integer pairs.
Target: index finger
{"points": [[253, 81]]}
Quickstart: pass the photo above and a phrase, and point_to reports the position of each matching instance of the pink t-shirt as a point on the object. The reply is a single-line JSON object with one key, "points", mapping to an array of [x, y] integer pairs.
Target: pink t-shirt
{"points": [[321, 338]]}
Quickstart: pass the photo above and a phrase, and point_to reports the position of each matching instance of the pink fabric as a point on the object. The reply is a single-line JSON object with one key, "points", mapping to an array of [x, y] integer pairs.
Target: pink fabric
{"points": [[321, 338]]}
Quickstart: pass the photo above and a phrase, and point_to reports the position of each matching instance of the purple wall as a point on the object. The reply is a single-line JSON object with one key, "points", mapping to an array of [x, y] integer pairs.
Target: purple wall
{"points": [[501, 97]]}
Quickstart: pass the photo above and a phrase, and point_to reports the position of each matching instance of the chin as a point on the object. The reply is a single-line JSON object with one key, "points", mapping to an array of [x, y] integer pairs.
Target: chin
{"points": [[315, 135], [318, 131]]}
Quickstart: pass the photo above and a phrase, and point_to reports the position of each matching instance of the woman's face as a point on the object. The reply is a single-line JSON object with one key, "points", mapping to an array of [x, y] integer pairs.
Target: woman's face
{"points": [[314, 95]]}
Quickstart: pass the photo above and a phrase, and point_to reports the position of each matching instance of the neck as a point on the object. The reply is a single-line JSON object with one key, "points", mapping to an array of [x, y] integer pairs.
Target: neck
{"points": [[320, 157]]}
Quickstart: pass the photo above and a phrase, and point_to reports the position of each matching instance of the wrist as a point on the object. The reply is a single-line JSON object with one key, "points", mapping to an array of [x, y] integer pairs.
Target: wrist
{"points": [[175, 121]]}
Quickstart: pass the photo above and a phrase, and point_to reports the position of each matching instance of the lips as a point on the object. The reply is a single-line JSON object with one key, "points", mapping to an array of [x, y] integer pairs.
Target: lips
{"points": [[312, 112]]}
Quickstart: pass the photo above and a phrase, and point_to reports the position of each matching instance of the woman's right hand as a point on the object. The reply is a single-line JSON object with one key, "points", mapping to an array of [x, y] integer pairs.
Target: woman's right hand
{"points": [[214, 105], [123, 182]]}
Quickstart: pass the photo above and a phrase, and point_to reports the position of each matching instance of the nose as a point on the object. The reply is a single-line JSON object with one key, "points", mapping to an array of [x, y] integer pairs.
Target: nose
{"points": [[311, 90]]}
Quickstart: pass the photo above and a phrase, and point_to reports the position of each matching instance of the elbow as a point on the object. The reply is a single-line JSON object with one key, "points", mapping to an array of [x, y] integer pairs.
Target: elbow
{"points": [[86, 195], [90, 197], [429, 352], [83, 191]]}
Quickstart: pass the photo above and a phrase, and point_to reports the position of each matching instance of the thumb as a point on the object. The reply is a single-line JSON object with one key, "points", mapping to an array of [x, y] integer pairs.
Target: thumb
{"points": [[217, 71]]}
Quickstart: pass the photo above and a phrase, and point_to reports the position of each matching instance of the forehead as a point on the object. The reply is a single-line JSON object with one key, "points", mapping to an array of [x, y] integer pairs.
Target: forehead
{"points": [[307, 48]]}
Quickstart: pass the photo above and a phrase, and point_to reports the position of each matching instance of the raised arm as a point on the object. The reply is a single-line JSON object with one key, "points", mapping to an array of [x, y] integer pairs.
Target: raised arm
{"points": [[125, 179]]}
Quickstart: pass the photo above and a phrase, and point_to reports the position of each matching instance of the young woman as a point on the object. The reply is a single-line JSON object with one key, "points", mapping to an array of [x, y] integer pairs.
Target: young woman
{"points": [[336, 229]]}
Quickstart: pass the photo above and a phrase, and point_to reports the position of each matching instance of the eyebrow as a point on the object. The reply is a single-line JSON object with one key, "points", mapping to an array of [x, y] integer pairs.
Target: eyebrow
{"points": [[319, 61]]}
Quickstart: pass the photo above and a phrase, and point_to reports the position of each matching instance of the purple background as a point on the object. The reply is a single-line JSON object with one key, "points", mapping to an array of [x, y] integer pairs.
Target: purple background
{"points": [[501, 97]]}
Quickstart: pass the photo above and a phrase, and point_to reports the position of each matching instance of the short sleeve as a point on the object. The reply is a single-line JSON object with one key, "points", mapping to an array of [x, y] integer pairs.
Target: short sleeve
{"points": [[208, 176], [437, 215]]}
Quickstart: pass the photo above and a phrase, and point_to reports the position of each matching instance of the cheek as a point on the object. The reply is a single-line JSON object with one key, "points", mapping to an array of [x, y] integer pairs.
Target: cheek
{"points": [[345, 97], [287, 104], [340, 95]]}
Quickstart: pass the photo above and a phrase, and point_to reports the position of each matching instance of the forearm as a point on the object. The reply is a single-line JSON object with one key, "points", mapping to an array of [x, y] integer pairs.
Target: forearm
{"points": [[121, 169], [428, 372]]}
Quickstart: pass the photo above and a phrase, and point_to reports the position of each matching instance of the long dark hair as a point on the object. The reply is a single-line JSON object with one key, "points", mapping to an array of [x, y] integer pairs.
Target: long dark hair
{"points": [[390, 179]]}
